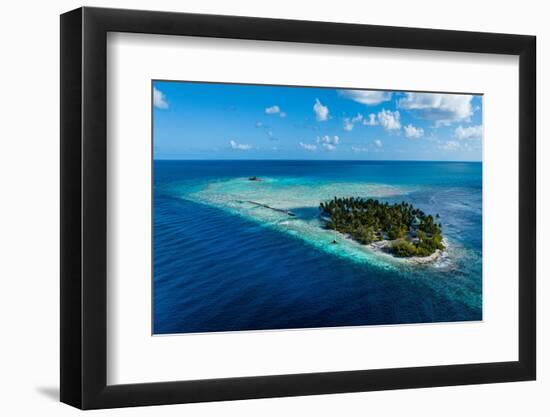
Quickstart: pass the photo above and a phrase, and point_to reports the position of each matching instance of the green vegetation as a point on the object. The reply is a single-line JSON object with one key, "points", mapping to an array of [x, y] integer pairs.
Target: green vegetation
{"points": [[410, 230]]}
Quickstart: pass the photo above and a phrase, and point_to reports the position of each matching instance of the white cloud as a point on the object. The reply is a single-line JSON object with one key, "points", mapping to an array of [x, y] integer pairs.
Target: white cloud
{"points": [[370, 98], [451, 145], [308, 147], [272, 110], [331, 140], [259, 124], [321, 112], [239, 146], [275, 110], [389, 120], [328, 142], [443, 109], [470, 132], [371, 121], [159, 99], [378, 143], [359, 149], [413, 132], [349, 123]]}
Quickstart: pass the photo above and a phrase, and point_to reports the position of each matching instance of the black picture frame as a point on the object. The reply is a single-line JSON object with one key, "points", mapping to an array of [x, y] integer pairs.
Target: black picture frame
{"points": [[84, 207]]}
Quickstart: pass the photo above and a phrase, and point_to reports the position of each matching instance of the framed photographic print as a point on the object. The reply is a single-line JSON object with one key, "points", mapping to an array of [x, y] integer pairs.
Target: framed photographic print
{"points": [[257, 208]]}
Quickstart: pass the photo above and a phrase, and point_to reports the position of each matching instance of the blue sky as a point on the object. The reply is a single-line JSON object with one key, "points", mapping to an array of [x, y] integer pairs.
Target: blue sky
{"points": [[235, 121]]}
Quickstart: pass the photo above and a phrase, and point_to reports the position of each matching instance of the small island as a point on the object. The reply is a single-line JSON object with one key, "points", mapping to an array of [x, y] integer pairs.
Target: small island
{"points": [[404, 230]]}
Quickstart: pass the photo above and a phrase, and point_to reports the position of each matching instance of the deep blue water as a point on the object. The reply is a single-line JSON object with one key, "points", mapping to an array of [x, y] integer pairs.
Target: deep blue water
{"points": [[215, 270]]}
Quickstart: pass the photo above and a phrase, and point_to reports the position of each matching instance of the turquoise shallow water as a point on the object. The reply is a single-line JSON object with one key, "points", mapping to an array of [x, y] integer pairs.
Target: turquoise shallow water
{"points": [[224, 262]]}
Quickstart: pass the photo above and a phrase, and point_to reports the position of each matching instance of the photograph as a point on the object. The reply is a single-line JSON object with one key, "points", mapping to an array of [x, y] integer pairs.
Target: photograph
{"points": [[307, 207], [272, 209]]}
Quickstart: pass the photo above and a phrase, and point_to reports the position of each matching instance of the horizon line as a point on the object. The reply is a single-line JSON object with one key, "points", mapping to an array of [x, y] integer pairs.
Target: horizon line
{"points": [[320, 160]]}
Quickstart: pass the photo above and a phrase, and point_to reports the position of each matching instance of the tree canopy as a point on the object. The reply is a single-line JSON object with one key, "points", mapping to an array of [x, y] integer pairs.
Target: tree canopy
{"points": [[412, 232]]}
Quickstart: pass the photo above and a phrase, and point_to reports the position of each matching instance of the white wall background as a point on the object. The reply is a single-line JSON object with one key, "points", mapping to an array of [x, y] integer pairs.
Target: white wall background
{"points": [[29, 236]]}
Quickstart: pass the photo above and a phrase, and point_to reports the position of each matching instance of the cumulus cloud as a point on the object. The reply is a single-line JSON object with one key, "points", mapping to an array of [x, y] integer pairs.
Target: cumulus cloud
{"points": [[443, 109], [350, 122], [275, 110], [239, 146], [328, 142], [331, 140], [272, 110], [371, 120], [159, 99], [321, 112], [308, 147], [348, 125], [369, 98], [389, 120], [470, 132], [358, 149], [378, 143], [413, 132], [451, 145]]}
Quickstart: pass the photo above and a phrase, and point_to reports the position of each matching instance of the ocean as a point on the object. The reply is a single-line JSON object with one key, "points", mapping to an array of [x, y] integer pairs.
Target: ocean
{"points": [[223, 262]]}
